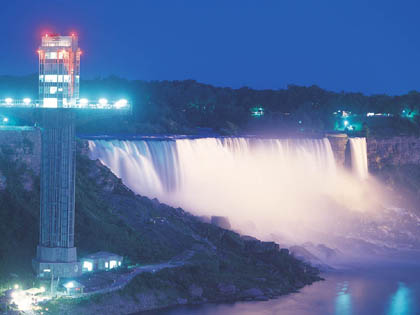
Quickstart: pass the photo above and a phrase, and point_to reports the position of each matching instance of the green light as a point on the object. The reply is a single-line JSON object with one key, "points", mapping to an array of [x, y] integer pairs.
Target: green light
{"points": [[257, 111], [410, 114], [120, 104], [343, 302], [402, 301]]}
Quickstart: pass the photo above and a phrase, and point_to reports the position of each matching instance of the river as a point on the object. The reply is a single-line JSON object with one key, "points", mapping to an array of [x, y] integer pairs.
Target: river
{"points": [[388, 290]]}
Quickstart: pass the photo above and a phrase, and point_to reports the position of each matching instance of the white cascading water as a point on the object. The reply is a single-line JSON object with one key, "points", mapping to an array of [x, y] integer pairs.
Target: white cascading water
{"points": [[290, 188], [359, 160]]}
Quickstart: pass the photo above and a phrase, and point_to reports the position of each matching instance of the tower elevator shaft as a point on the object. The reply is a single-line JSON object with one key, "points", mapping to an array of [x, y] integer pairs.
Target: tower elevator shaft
{"points": [[56, 252]]}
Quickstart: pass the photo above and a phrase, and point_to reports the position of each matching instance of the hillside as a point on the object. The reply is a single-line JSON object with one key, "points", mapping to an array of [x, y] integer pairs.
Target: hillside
{"points": [[111, 217]]}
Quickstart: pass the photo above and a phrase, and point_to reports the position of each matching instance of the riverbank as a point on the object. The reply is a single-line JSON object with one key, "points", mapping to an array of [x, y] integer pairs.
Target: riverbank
{"points": [[186, 285], [364, 290]]}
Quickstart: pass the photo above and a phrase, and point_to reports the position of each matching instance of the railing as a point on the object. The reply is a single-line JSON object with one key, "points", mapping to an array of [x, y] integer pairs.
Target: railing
{"points": [[101, 104]]}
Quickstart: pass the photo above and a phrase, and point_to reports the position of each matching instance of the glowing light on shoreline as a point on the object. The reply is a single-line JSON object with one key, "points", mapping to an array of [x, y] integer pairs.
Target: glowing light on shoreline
{"points": [[84, 101], [103, 102], [120, 104]]}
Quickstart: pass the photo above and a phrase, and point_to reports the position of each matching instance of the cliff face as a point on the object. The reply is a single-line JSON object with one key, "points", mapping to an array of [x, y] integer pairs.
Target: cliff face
{"points": [[339, 144], [395, 151], [22, 145], [381, 152]]}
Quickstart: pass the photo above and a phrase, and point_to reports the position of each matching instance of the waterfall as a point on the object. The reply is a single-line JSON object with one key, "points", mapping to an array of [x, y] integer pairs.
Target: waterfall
{"points": [[287, 186], [359, 161], [158, 167]]}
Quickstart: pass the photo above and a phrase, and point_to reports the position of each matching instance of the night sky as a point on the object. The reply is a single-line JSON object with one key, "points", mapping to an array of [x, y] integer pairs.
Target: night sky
{"points": [[353, 45]]}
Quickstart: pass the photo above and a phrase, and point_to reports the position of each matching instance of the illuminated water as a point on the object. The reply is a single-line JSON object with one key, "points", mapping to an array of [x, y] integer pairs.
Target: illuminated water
{"points": [[264, 186], [370, 291], [359, 160]]}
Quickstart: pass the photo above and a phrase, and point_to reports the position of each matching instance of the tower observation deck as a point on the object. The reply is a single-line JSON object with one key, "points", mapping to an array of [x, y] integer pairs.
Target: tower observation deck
{"points": [[59, 70], [58, 104]]}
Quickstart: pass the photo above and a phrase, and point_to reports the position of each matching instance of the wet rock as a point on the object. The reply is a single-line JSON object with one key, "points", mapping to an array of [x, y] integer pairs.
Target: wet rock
{"points": [[222, 222], [251, 293], [195, 290], [182, 301], [227, 289], [256, 246], [284, 251], [338, 145], [261, 298], [394, 151], [3, 182]]}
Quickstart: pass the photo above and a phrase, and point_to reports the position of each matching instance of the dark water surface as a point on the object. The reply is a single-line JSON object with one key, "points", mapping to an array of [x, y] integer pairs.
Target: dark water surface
{"points": [[389, 290]]}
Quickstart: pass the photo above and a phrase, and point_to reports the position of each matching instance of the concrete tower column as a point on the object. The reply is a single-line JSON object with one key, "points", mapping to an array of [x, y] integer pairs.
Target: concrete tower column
{"points": [[56, 252]]}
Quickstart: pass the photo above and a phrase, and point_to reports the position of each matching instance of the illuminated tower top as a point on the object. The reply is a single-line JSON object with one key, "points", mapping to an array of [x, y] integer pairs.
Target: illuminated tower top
{"points": [[59, 71], [59, 80]]}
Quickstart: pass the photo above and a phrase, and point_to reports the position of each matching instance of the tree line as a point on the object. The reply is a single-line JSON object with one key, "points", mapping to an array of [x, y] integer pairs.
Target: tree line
{"points": [[168, 107]]}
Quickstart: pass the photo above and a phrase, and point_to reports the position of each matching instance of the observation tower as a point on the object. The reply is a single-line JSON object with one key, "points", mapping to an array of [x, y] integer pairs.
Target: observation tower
{"points": [[58, 105]]}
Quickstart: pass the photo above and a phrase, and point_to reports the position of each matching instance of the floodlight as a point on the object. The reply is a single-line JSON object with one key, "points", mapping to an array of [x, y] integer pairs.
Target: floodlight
{"points": [[8, 100], [69, 285], [103, 102], [27, 100], [83, 101], [120, 104]]}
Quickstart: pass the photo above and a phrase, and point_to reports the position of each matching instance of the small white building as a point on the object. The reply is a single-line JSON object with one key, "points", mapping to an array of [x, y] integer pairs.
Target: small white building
{"points": [[73, 288], [101, 261]]}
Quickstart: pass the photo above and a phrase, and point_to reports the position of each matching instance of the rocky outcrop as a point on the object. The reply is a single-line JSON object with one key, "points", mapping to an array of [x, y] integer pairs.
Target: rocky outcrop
{"points": [[338, 145], [227, 289], [222, 222], [253, 293], [22, 144], [3, 182], [395, 151]]}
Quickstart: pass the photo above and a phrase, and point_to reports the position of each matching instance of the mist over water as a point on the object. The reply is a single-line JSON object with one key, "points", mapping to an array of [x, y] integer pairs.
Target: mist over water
{"points": [[287, 190]]}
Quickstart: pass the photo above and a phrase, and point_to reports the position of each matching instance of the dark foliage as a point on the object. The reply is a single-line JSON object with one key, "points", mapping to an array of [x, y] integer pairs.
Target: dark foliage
{"points": [[183, 106]]}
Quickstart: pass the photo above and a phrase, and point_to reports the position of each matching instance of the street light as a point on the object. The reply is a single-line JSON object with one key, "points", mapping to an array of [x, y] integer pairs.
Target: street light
{"points": [[120, 104], [103, 102], [69, 285], [83, 101]]}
